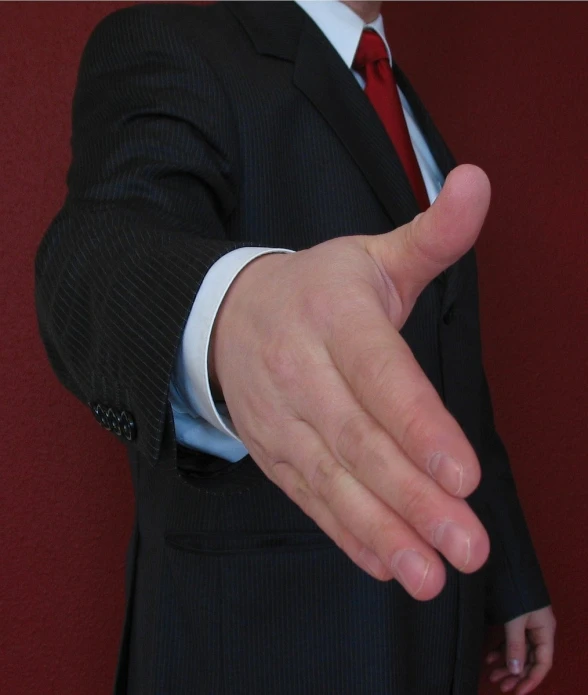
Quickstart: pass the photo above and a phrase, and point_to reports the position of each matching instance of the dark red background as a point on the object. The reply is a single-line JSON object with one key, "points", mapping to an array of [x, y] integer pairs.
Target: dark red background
{"points": [[507, 84]]}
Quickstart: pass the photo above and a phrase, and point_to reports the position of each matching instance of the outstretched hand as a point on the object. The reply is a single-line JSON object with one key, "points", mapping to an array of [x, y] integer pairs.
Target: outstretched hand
{"points": [[333, 406]]}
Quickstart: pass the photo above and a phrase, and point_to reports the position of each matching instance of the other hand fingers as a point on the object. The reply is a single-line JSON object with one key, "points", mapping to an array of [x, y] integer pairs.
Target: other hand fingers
{"points": [[543, 657], [516, 645]]}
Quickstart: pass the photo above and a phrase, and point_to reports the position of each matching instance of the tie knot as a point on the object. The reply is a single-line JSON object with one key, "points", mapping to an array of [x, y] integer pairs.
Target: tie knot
{"points": [[371, 49]]}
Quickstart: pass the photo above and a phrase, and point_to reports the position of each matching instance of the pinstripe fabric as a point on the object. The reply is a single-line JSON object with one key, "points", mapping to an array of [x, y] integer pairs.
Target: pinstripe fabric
{"points": [[197, 130]]}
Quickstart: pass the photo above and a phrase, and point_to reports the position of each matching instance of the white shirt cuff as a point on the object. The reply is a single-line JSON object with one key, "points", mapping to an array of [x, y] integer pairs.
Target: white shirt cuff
{"points": [[191, 380]]}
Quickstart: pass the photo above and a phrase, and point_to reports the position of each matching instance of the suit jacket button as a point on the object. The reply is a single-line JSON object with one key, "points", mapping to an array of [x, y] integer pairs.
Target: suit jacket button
{"points": [[100, 415], [128, 426], [104, 418], [449, 316], [114, 423]]}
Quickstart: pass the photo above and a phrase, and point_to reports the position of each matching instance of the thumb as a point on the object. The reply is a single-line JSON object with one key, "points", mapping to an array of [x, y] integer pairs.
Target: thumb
{"points": [[516, 645], [414, 254]]}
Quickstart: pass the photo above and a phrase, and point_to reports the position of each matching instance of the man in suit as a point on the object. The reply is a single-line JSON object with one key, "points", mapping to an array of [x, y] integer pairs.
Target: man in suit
{"points": [[303, 427]]}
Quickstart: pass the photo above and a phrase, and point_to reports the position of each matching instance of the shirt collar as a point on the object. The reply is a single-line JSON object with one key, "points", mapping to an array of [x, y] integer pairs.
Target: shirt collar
{"points": [[341, 26]]}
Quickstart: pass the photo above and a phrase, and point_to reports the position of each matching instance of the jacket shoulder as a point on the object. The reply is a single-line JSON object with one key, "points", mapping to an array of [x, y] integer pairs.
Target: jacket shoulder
{"points": [[160, 24]]}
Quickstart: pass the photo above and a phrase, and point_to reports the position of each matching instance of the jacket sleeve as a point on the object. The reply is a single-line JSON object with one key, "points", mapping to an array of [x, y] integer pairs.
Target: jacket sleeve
{"points": [[151, 186], [514, 582]]}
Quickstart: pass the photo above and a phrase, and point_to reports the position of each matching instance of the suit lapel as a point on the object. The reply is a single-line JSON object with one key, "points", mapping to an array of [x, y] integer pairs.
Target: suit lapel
{"points": [[441, 153], [331, 87], [284, 31], [450, 280]]}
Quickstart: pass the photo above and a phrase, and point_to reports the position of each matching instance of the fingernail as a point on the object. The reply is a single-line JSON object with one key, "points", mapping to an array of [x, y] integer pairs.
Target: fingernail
{"points": [[411, 569], [454, 542], [447, 471], [514, 666]]}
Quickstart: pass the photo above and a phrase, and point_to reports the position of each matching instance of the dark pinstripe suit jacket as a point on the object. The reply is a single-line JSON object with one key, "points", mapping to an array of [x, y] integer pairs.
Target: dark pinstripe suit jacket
{"points": [[195, 131]]}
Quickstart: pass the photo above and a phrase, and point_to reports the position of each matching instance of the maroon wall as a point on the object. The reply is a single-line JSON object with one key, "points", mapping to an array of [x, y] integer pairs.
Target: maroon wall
{"points": [[507, 84]]}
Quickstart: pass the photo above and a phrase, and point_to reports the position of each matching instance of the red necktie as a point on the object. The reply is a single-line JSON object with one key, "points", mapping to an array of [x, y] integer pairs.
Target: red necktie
{"points": [[371, 61]]}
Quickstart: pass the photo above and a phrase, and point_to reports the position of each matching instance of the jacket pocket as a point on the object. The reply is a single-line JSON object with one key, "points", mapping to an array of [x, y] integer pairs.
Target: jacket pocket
{"points": [[276, 612], [216, 475], [236, 543]]}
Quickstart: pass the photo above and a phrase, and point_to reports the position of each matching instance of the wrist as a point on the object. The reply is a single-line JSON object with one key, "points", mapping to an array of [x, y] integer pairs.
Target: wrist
{"points": [[242, 295]]}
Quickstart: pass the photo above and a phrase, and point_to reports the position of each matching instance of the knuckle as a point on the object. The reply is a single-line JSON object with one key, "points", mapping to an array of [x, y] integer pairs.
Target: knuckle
{"points": [[324, 476], [413, 241], [372, 535], [415, 500], [257, 447], [413, 426], [281, 363], [381, 537], [301, 495], [356, 438], [283, 474], [371, 366], [278, 471], [317, 307]]}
